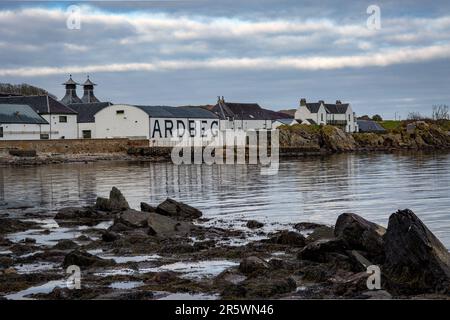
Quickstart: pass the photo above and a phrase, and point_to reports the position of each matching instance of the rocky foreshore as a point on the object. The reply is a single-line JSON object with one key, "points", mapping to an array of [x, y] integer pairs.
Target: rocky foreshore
{"points": [[170, 251]]}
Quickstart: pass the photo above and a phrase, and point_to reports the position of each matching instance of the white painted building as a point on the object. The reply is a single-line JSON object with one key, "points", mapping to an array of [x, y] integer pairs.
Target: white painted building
{"points": [[243, 116], [61, 120], [20, 122], [159, 124], [86, 118], [321, 113]]}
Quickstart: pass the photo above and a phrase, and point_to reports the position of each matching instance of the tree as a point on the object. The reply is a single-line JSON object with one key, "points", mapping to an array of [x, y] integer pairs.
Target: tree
{"points": [[440, 112], [414, 116], [364, 117], [377, 117]]}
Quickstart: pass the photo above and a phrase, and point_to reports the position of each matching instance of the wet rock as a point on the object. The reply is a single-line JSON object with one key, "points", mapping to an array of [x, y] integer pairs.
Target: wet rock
{"points": [[320, 233], [110, 236], [6, 262], [416, 261], [9, 271], [8, 225], [119, 227], [115, 203], [252, 264], [147, 208], [288, 238], [349, 284], [163, 226], [29, 240], [360, 234], [133, 218], [322, 250], [269, 288], [253, 224], [178, 210], [65, 244], [377, 295], [302, 226], [84, 259], [77, 213]]}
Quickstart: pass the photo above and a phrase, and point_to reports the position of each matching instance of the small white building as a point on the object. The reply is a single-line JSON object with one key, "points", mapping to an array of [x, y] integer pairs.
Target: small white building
{"points": [[86, 117], [321, 113], [243, 116], [62, 120], [159, 124], [20, 122]]}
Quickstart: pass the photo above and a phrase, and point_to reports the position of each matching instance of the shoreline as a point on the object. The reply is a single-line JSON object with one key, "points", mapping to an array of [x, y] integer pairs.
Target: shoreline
{"points": [[169, 252]]}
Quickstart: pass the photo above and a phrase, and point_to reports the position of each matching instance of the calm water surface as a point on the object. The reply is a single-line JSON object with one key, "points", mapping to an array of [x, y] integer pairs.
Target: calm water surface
{"points": [[312, 189]]}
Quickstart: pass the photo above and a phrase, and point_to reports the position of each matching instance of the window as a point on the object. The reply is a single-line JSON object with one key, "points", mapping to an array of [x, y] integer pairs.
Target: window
{"points": [[120, 111], [63, 119], [1, 132], [321, 117], [44, 136], [348, 117], [86, 134]]}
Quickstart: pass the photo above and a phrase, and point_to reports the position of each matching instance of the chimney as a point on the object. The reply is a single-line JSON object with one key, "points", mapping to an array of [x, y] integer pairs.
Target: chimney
{"points": [[223, 99], [302, 102], [338, 102], [321, 101], [71, 92], [88, 96]]}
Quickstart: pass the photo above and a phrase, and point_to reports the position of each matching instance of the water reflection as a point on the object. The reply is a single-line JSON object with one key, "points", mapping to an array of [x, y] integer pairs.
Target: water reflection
{"points": [[310, 189]]}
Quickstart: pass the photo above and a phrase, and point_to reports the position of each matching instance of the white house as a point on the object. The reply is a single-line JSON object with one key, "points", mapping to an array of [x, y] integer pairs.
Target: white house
{"points": [[159, 124], [321, 113], [86, 117], [20, 122], [244, 116], [62, 120]]}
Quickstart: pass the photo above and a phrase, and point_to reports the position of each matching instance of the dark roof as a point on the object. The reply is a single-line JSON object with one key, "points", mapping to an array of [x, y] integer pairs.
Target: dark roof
{"points": [[313, 107], [246, 111], [88, 82], [41, 104], [369, 126], [70, 81], [178, 112], [311, 121], [285, 121], [19, 113], [86, 111], [336, 108]]}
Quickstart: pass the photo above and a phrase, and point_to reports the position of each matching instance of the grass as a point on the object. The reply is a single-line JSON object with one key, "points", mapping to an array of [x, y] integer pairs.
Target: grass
{"points": [[390, 124]]}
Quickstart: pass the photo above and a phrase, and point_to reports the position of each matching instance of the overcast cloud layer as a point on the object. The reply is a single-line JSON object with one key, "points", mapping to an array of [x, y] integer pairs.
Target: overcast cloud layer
{"points": [[273, 53]]}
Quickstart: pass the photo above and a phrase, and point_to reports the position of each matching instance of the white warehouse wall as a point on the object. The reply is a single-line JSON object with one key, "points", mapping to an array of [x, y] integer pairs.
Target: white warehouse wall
{"points": [[68, 129], [21, 131]]}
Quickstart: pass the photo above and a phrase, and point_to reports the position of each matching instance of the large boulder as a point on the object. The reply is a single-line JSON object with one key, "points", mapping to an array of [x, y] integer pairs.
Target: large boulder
{"points": [[147, 207], [253, 264], [162, 226], [84, 259], [416, 261], [115, 203], [324, 250], [288, 238], [178, 210], [359, 234], [132, 218]]}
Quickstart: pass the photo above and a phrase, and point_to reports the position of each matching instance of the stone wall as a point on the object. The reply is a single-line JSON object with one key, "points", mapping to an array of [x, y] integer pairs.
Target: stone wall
{"points": [[74, 146]]}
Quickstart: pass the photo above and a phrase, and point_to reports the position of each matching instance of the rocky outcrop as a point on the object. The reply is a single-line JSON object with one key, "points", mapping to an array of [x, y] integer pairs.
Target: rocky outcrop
{"points": [[178, 210], [132, 218], [115, 203], [84, 259], [416, 261], [162, 226], [288, 238], [147, 208], [359, 234], [74, 213]]}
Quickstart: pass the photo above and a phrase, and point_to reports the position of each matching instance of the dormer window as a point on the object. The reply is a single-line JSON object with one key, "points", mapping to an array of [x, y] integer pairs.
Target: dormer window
{"points": [[120, 112]]}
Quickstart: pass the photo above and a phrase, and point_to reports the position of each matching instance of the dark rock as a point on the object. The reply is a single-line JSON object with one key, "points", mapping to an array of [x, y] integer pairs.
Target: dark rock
{"points": [[119, 227], [322, 250], [302, 226], [133, 218], [6, 262], [147, 208], [65, 244], [416, 261], [29, 240], [253, 224], [320, 233], [84, 259], [252, 264], [75, 213], [288, 238], [115, 203], [23, 153], [360, 234], [110, 236], [268, 288], [178, 210], [163, 226]]}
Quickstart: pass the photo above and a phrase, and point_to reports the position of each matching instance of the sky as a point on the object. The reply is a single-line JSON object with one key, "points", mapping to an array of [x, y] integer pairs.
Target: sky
{"points": [[274, 53]]}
